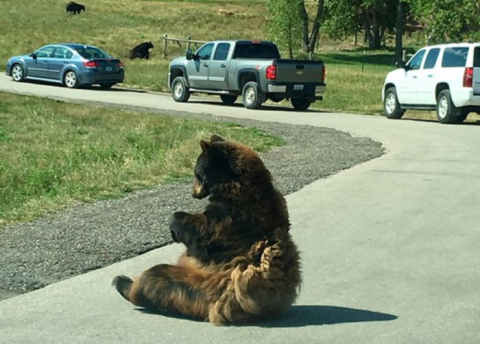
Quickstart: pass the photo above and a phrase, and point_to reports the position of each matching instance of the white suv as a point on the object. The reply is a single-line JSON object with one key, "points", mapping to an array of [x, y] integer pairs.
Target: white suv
{"points": [[444, 77]]}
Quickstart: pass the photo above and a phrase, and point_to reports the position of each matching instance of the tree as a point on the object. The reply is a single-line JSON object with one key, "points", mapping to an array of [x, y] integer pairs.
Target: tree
{"points": [[376, 17], [399, 30], [291, 25], [285, 23]]}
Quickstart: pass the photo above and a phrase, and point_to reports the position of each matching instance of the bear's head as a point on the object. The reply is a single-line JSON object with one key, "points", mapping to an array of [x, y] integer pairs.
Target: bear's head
{"points": [[149, 45], [228, 169], [82, 7]]}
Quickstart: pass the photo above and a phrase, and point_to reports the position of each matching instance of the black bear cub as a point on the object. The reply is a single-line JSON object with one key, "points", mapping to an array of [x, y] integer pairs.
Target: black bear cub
{"points": [[141, 51], [74, 7], [241, 264]]}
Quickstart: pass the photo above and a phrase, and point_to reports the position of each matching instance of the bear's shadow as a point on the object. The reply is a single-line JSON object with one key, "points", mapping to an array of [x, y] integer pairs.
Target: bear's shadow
{"points": [[310, 315]]}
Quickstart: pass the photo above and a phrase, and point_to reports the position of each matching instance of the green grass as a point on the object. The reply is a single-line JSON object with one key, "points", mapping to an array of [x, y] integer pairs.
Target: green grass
{"points": [[55, 154]]}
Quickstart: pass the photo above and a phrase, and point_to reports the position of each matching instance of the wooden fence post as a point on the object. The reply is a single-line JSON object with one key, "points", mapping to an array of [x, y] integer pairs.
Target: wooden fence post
{"points": [[165, 36]]}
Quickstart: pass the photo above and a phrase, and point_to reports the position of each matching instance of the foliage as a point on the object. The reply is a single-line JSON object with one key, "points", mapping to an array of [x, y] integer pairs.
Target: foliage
{"points": [[284, 24]]}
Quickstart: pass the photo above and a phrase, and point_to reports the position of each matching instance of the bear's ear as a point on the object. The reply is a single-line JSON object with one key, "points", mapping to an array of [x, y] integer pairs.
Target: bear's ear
{"points": [[205, 145], [216, 138]]}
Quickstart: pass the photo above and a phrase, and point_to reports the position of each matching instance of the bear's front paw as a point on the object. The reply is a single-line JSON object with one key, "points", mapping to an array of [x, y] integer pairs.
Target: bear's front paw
{"points": [[176, 225]]}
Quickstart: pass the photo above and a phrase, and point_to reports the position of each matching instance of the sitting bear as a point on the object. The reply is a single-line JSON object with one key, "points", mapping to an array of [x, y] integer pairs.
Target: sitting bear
{"points": [[240, 263], [141, 51], [74, 7]]}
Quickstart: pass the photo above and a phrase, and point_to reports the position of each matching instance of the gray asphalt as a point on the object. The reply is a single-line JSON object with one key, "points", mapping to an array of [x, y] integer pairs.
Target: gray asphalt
{"points": [[389, 247]]}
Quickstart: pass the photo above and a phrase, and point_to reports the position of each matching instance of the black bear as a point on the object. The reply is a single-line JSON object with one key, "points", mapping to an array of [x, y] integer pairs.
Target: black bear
{"points": [[141, 51], [241, 264], [74, 7]]}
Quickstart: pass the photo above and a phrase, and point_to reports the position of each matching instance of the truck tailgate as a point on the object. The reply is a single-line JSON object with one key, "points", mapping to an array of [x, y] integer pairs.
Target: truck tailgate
{"points": [[299, 71]]}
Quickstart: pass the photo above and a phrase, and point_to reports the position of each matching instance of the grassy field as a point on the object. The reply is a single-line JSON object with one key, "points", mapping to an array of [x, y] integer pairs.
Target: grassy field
{"points": [[55, 154], [118, 25]]}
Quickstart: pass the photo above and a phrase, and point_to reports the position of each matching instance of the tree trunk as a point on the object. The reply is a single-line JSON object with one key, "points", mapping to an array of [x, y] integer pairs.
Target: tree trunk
{"points": [[310, 41], [399, 31]]}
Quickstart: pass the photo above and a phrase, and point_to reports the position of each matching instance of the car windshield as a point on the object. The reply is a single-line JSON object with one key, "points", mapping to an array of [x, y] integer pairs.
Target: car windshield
{"points": [[91, 53]]}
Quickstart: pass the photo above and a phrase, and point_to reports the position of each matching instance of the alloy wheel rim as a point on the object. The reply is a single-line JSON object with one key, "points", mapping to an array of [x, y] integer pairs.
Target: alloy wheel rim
{"points": [[70, 79], [17, 73], [250, 95], [442, 107], [390, 103], [178, 90]]}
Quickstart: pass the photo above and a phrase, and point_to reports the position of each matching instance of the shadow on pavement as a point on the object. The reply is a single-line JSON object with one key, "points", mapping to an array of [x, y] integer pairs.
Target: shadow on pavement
{"points": [[306, 315], [263, 107]]}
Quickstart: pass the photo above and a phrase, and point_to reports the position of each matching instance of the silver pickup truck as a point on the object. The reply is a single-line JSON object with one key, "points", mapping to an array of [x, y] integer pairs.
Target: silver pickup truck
{"points": [[252, 69]]}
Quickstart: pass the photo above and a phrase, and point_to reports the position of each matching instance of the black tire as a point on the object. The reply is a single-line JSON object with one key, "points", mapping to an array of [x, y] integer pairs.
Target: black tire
{"points": [[447, 113], [180, 91], [228, 99], [462, 117], [70, 79], [17, 72], [391, 106], [300, 104], [252, 98], [107, 86]]}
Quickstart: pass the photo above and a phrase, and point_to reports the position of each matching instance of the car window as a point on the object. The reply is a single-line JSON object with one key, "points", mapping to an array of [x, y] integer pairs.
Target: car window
{"points": [[91, 53], [221, 52], [431, 58], [205, 52], [62, 53], [416, 61], [45, 52], [476, 57], [455, 57]]}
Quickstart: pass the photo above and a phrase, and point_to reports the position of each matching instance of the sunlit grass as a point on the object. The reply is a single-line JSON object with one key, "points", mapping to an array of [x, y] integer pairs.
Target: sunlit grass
{"points": [[54, 154]]}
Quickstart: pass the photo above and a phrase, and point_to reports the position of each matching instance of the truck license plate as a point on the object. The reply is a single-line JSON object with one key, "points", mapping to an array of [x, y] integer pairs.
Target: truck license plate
{"points": [[297, 87]]}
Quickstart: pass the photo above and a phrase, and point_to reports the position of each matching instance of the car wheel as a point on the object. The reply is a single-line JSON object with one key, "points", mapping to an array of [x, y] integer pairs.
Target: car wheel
{"points": [[18, 74], [391, 106], [70, 79], [252, 98], [300, 104], [228, 99], [106, 86], [180, 92], [447, 113]]}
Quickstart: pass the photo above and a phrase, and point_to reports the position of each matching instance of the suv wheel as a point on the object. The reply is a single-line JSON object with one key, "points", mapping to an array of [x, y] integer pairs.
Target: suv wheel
{"points": [[391, 106], [447, 113], [180, 91], [252, 98]]}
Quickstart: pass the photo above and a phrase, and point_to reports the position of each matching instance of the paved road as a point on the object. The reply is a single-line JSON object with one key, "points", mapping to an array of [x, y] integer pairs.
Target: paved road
{"points": [[389, 247]]}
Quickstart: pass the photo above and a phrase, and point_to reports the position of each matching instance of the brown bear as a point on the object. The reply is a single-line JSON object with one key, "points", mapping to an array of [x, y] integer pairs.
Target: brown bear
{"points": [[141, 51], [75, 8], [240, 264]]}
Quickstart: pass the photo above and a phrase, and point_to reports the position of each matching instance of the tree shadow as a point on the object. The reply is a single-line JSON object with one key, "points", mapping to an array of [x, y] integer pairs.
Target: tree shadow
{"points": [[304, 315]]}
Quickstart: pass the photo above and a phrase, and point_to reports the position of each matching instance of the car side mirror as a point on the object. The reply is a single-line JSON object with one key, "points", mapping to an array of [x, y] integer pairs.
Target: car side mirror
{"points": [[33, 55], [189, 54], [400, 64]]}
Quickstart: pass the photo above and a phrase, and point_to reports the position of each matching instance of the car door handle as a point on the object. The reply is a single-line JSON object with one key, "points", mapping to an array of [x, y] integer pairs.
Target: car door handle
{"points": [[65, 62], [222, 65], [430, 75], [414, 76], [205, 65]]}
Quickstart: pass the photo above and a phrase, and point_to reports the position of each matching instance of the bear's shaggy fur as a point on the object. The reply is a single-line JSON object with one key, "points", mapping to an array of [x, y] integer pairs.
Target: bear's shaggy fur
{"points": [[74, 7], [240, 264], [141, 51]]}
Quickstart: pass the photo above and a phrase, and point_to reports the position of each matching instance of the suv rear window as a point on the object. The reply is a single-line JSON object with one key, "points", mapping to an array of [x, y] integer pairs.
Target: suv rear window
{"points": [[256, 51], [476, 57], [455, 57]]}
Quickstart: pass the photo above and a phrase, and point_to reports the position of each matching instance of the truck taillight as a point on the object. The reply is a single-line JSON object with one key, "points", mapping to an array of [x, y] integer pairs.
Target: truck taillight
{"points": [[323, 73], [468, 77], [271, 72]]}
